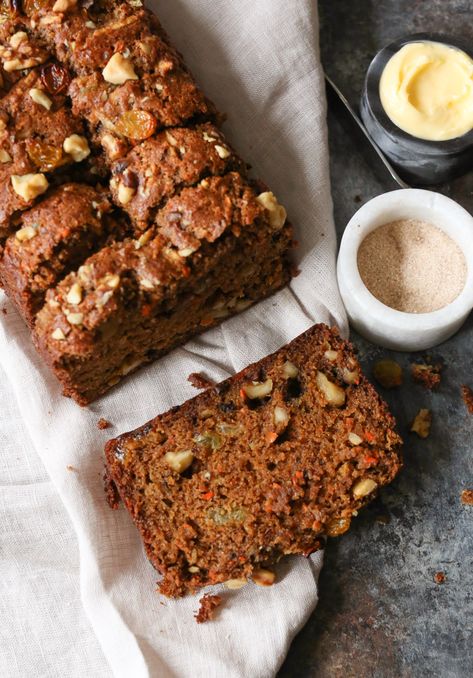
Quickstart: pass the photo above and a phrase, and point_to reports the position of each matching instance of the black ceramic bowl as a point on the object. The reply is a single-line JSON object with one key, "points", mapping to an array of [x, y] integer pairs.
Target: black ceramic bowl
{"points": [[418, 161]]}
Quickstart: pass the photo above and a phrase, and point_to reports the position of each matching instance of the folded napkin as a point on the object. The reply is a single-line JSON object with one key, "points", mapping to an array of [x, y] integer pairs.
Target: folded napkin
{"points": [[259, 61]]}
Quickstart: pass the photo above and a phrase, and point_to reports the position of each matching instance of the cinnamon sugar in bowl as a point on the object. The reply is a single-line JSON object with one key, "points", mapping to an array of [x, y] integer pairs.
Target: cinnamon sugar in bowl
{"points": [[405, 269], [412, 266]]}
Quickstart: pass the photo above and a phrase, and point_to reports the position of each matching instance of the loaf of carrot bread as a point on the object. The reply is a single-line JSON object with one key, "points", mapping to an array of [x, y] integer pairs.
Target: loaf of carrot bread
{"points": [[265, 464], [127, 221]]}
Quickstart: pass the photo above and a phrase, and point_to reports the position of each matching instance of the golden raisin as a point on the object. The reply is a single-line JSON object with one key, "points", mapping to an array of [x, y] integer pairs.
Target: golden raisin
{"points": [[45, 156], [388, 373], [136, 125], [32, 6], [8, 8], [337, 527]]}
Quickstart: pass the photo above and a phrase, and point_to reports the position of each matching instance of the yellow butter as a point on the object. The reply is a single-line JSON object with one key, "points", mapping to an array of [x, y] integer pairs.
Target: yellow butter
{"points": [[426, 89]]}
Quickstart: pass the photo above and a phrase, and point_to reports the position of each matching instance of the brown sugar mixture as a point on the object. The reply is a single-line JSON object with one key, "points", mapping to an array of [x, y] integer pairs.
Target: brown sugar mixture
{"points": [[412, 266], [264, 464]]}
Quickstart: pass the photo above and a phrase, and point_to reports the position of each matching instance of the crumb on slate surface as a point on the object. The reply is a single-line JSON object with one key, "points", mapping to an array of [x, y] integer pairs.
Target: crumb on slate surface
{"points": [[199, 381], [208, 605], [428, 375], [439, 577], [467, 497], [467, 395], [103, 423]]}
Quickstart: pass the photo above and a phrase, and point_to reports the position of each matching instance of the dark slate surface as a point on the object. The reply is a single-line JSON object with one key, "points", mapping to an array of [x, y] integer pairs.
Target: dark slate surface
{"points": [[380, 613]]}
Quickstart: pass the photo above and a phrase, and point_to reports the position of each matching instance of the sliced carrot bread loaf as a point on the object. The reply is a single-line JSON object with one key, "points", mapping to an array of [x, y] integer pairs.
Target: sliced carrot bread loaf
{"points": [[263, 465], [128, 223]]}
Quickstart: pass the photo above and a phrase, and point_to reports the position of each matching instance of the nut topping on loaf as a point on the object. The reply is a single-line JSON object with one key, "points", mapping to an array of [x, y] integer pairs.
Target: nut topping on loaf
{"points": [[262, 465]]}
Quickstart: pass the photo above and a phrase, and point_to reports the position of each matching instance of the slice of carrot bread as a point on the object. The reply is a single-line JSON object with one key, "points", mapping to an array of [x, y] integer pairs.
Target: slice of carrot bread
{"points": [[263, 465]]}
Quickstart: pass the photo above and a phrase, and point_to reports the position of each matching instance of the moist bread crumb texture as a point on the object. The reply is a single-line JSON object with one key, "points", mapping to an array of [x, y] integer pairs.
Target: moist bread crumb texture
{"points": [[262, 465], [127, 222]]}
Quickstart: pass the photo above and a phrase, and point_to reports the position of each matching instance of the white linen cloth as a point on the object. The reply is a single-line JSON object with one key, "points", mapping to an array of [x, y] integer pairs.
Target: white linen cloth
{"points": [[259, 61]]}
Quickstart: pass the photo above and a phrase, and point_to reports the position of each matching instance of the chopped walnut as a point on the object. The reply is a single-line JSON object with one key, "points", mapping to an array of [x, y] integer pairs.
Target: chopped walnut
{"points": [[467, 497], [388, 373], [77, 147], [5, 156], [165, 66], [29, 186], [75, 318], [179, 461], [277, 213], [20, 54], [334, 394], [18, 38], [426, 374], [26, 233], [186, 252], [222, 152], [112, 145], [40, 97], [209, 139], [290, 371], [467, 395], [74, 296], [422, 423], [364, 487], [118, 70], [112, 280], [208, 605], [258, 389], [125, 194], [172, 141], [281, 416], [58, 334], [64, 5], [354, 438]]}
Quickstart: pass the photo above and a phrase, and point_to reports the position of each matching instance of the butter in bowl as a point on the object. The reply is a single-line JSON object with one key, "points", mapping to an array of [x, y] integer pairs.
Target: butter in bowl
{"points": [[417, 105]]}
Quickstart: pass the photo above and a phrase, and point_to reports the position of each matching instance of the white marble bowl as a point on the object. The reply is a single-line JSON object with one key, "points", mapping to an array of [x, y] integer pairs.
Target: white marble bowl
{"points": [[374, 320]]}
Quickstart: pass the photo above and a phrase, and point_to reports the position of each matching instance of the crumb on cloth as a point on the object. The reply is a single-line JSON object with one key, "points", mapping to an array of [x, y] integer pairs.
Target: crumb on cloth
{"points": [[200, 381], [208, 605], [103, 424]]}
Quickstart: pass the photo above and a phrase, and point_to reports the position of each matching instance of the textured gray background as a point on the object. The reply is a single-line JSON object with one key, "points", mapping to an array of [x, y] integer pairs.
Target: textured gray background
{"points": [[380, 612]]}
